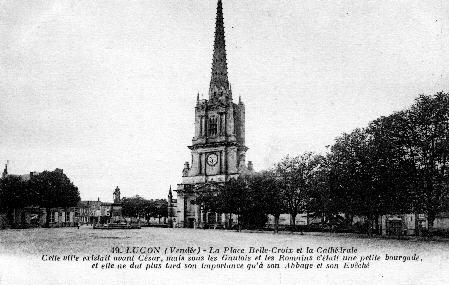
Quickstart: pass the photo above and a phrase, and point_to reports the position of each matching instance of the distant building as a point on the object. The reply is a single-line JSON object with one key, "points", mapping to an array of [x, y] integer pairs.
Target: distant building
{"points": [[105, 212], [402, 224], [97, 212], [61, 217], [89, 211]]}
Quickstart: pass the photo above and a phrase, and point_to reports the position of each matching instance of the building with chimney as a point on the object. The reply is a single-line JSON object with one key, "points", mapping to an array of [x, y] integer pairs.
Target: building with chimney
{"points": [[218, 146]]}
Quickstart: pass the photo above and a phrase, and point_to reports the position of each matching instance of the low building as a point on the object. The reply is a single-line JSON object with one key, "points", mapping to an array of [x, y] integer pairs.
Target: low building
{"points": [[93, 212], [61, 217], [285, 220], [89, 211], [402, 224], [441, 223]]}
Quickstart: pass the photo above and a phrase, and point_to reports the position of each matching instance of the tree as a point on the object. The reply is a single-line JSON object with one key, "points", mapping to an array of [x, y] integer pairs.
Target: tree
{"points": [[254, 213], [54, 189], [149, 209], [397, 164], [208, 197], [353, 178], [266, 191], [428, 146], [161, 208], [392, 169], [138, 207], [14, 194], [134, 206], [233, 199], [296, 182], [322, 198]]}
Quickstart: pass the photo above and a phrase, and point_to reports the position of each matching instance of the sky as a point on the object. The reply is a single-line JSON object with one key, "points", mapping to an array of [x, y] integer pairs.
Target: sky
{"points": [[106, 89]]}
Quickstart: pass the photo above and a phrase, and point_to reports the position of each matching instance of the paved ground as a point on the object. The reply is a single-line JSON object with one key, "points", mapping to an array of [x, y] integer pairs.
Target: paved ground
{"points": [[21, 252]]}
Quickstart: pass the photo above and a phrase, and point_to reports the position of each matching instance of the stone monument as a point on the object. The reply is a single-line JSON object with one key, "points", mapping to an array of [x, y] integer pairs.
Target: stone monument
{"points": [[116, 208]]}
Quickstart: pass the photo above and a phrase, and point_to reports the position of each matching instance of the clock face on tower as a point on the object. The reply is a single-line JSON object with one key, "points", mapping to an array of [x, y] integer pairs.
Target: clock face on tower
{"points": [[212, 159]]}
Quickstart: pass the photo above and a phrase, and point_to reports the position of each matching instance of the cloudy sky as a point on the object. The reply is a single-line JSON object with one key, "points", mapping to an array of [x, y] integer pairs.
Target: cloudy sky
{"points": [[106, 89]]}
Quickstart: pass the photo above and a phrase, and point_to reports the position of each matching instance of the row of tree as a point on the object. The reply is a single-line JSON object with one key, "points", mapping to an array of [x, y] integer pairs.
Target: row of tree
{"points": [[48, 189], [398, 164], [52, 189], [138, 207]]}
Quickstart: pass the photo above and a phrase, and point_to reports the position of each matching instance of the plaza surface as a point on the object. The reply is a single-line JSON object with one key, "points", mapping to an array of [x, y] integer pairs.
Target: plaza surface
{"points": [[21, 257]]}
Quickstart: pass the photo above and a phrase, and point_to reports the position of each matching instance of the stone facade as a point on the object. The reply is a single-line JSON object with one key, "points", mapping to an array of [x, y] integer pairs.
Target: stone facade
{"points": [[62, 217], [402, 224], [90, 211], [218, 147]]}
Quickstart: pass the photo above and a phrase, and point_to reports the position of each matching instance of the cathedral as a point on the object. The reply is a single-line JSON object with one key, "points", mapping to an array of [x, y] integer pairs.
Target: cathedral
{"points": [[218, 146]]}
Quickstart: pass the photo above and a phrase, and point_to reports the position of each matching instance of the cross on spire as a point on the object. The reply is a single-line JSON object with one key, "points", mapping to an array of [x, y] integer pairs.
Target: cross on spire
{"points": [[219, 80]]}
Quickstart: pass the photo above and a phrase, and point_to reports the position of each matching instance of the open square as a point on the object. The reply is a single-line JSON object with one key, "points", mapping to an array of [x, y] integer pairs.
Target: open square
{"points": [[23, 251]]}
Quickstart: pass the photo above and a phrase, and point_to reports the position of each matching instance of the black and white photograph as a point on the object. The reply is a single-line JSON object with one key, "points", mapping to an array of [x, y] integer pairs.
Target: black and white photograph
{"points": [[224, 142]]}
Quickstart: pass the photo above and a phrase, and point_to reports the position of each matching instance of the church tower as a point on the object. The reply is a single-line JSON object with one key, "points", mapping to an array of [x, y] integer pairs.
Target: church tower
{"points": [[218, 146]]}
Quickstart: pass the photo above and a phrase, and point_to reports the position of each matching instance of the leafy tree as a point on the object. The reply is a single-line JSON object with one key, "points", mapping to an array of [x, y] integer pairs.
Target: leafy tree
{"points": [[266, 192], [392, 169], [296, 181], [347, 162], [54, 189], [161, 208], [254, 214], [149, 209], [360, 165], [233, 198], [321, 197], [134, 206], [208, 197], [428, 147], [14, 194], [397, 164], [138, 207]]}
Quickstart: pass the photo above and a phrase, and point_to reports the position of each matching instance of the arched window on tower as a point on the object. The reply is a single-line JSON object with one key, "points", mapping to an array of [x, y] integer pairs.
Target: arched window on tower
{"points": [[213, 126]]}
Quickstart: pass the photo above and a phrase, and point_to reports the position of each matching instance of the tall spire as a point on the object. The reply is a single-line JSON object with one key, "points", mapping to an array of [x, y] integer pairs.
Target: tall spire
{"points": [[219, 79]]}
